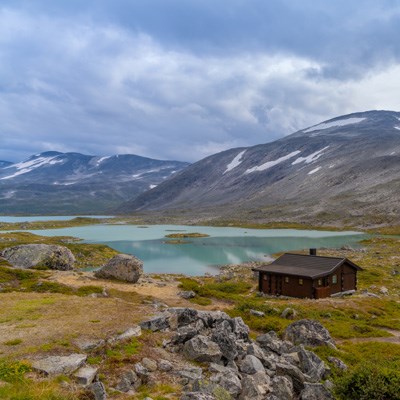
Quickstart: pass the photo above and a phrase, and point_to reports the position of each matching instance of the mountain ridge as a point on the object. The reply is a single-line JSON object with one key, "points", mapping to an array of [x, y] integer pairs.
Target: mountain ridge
{"points": [[345, 168]]}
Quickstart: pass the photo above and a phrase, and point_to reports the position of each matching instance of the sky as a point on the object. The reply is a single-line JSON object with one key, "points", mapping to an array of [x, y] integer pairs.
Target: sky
{"points": [[184, 79]]}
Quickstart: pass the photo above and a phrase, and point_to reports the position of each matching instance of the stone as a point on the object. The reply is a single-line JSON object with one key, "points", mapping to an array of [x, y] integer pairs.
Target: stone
{"points": [[187, 294], [338, 363], [86, 344], [226, 342], [202, 349], [165, 366], [134, 331], [289, 313], [211, 318], [39, 255], [123, 267], [129, 380], [312, 365], [384, 290], [98, 390], [298, 378], [197, 396], [149, 364], [184, 334], [257, 313], [190, 374], [240, 329], [251, 365], [270, 342], [157, 323], [282, 388], [184, 316], [85, 375], [255, 387], [59, 365], [229, 381], [315, 391], [141, 371], [309, 333], [217, 368]]}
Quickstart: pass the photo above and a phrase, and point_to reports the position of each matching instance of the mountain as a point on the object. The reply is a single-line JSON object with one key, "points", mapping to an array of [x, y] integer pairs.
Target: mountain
{"points": [[64, 183], [346, 170], [5, 163]]}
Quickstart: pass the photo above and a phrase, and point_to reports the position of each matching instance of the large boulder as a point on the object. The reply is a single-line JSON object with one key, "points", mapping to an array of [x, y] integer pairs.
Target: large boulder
{"points": [[309, 333], [202, 349], [57, 365], [39, 255], [122, 267]]}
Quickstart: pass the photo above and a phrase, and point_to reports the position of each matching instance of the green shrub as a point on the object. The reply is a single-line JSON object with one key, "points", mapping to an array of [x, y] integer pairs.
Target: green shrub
{"points": [[369, 382], [12, 371]]}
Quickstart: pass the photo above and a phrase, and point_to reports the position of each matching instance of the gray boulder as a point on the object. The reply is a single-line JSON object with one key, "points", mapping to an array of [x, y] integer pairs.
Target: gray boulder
{"points": [[165, 366], [98, 390], [255, 387], [251, 365], [122, 267], [309, 333], [282, 388], [297, 376], [270, 342], [57, 365], [129, 380], [202, 349], [39, 255], [197, 396], [312, 365], [85, 375], [229, 381], [315, 391], [187, 294], [338, 363], [157, 323]]}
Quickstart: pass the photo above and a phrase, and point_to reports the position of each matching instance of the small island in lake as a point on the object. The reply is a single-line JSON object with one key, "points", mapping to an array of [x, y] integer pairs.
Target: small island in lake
{"points": [[186, 235]]}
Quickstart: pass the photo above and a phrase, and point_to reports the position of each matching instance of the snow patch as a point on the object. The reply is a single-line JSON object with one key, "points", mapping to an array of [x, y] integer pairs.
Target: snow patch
{"points": [[311, 158], [28, 166], [314, 170], [339, 122], [152, 186], [397, 127], [270, 164], [235, 162], [100, 160]]}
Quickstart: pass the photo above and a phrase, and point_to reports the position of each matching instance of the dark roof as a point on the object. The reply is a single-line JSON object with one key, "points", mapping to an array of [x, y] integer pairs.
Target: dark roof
{"points": [[305, 265]]}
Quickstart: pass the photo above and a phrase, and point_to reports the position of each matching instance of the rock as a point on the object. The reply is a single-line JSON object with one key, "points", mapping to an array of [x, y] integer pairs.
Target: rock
{"points": [[202, 349], [39, 255], [86, 344], [298, 378], [149, 364], [165, 366], [131, 332], [129, 381], [98, 390], [217, 368], [282, 388], [226, 340], [251, 365], [190, 374], [240, 329], [157, 323], [289, 313], [229, 381], [270, 342], [384, 290], [312, 365], [197, 396], [184, 316], [142, 372], [257, 313], [184, 334], [85, 375], [211, 318], [57, 365], [187, 294], [338, 363], [255, 387], [122, 267], [309, 333], [315, 391]]}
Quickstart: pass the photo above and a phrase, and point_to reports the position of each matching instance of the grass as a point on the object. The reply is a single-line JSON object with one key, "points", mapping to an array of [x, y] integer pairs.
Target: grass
{"points": [[13, 342]]}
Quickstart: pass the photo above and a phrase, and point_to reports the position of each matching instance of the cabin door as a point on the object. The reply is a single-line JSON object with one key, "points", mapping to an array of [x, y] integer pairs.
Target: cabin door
{"points": [[278, 282]]}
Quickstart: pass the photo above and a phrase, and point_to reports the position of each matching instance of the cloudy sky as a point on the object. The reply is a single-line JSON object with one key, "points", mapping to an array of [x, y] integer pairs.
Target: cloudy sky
{"points": [[183, 79]]}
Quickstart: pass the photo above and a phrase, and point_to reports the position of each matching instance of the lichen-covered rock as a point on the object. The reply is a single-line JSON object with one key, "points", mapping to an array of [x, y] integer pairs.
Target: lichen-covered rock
{"points": [[338, 363], [282, 388], [251, 365], [57, 365], [255, 387], [122, 267], [39, 255], [315, 391], [98, 390], [309, 333], [202, 349], [157, 323]]}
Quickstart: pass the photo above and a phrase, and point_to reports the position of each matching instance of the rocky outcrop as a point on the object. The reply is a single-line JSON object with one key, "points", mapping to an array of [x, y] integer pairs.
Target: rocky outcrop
{"points": [[39, 255], [122, 267], [238, 367], [309, 333], [56, 365]]}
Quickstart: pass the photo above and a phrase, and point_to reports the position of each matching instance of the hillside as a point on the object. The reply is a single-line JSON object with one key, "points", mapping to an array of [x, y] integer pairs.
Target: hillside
{"points": [[345, 169], [63, 183]]}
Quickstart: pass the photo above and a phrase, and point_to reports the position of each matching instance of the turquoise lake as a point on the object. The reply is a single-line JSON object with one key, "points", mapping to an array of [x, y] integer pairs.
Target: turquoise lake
{"points": [[201, 255]]}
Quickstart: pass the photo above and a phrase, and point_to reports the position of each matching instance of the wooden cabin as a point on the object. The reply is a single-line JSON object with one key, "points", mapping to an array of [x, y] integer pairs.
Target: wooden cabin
{"points": [[307, 276]]}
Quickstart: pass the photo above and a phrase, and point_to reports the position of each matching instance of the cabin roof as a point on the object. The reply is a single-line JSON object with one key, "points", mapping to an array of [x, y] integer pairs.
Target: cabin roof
{"points": [[305, 265]]}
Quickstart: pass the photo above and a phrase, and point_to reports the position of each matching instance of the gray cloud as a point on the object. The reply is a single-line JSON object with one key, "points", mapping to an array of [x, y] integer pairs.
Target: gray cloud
{"points": [[182, 80]]}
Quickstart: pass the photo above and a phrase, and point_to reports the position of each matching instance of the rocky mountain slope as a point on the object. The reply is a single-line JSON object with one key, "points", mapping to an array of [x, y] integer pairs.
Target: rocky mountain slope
{"points": [[345, 169], [54, 182]]}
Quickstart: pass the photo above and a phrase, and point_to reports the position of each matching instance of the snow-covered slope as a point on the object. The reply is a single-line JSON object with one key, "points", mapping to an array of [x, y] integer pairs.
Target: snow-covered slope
{"points": [[54, 182], [347, 167]]}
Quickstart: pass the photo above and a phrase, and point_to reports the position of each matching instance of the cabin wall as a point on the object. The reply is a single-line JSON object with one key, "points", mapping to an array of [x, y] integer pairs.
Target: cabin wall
{"points": [[346, 279], [275, 284]]}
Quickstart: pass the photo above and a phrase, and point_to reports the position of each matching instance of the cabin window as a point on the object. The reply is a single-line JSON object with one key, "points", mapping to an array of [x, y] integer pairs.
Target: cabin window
{"points": [[286, 279], [334, 279], [300, 281], [319, 282], [265, 277]]}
